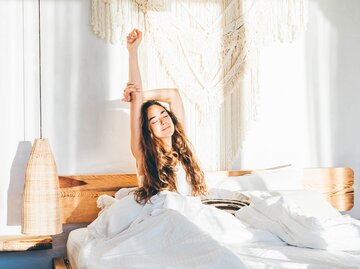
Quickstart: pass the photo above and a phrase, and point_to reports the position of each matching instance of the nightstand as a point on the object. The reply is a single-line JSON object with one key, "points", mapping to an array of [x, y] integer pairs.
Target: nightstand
{"points": [[24, 242], [39, 259]]}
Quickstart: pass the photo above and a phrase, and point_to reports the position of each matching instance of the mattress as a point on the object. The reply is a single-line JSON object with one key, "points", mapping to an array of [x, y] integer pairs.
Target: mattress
{"points": [[75, 240]]}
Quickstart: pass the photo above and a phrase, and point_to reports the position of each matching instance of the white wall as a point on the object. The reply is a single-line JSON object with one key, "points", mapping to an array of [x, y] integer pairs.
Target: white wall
{"points": [[87, 125], [308, 112], [17, 102], [310, 89]]}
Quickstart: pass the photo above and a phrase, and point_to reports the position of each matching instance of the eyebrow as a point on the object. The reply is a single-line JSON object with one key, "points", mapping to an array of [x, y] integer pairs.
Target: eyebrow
{"points": [[155, 116]]}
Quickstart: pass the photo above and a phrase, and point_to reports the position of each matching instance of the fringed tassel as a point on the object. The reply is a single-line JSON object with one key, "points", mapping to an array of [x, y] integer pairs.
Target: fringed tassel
{"points": [[212, 57], [113, 19]]}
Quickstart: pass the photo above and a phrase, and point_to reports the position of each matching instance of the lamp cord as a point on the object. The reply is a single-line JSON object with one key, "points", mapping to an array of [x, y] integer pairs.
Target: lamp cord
{"points": [[40, 70]]}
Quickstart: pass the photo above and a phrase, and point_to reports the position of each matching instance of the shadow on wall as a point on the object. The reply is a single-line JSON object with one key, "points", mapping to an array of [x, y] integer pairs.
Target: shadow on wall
{"points": [[16, 184]]}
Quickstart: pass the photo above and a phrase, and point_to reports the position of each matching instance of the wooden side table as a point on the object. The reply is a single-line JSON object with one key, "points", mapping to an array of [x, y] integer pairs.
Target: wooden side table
{"points": [[24, 242]]}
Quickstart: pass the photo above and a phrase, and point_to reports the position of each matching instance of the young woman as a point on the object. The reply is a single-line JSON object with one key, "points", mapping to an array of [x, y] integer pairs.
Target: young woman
{"points": [[164, 158]]}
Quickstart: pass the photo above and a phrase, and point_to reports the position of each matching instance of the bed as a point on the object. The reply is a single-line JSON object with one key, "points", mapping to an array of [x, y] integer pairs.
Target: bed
{"points": [[80, 193]]}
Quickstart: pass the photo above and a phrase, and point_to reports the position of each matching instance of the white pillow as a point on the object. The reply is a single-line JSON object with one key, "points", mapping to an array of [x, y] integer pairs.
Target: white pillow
{"points": [[310, 203], [287, 178], [307, 203]]}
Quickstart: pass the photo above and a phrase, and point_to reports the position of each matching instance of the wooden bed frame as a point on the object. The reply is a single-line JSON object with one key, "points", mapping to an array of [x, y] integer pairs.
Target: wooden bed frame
{"points": [[79, 193]]}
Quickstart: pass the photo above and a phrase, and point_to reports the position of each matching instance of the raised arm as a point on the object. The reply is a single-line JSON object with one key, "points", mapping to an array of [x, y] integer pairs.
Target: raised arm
{"points": [[133, 94], [170, 96], [133, 42]]}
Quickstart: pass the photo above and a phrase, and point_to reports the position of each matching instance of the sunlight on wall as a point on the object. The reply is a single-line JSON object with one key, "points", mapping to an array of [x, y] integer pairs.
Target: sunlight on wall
{"points": [[277, 137], [295, 108]]}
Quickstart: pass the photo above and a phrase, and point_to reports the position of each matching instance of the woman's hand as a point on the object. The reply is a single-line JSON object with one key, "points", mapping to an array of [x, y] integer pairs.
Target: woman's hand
{"points": [[134, 40], [131, 91]]}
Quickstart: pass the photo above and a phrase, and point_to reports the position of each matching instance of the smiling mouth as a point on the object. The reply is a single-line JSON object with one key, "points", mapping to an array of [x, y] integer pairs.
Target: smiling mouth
{"points": [[165, 128]]}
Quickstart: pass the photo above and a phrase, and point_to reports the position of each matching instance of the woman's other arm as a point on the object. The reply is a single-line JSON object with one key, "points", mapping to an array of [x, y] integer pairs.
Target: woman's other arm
{"points": [[170, 96]]}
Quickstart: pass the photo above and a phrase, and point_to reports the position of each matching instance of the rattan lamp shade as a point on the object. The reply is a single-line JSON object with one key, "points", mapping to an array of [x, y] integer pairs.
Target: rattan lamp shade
{"points": [[41, 199]]}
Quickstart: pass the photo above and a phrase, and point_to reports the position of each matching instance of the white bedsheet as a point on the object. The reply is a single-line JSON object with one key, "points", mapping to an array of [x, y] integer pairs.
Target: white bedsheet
{"points": [[75, 240], [175, 231], [286, 257], [262, 256]]}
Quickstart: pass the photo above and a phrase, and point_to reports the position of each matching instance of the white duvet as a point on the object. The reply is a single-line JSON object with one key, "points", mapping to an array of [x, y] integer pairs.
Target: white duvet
{"points": [[175, 231]]}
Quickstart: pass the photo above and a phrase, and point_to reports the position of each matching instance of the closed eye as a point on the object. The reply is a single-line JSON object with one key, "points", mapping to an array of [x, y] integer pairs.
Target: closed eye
{"points": [[163, 114]]}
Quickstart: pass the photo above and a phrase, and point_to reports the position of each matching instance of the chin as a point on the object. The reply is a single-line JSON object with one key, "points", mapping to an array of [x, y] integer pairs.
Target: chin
{"points": [[167, 134], [171, 132]]}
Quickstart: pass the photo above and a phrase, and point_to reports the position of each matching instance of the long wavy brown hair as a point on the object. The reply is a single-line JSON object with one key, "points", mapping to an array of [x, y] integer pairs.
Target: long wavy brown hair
{"points": [[159, 164]]}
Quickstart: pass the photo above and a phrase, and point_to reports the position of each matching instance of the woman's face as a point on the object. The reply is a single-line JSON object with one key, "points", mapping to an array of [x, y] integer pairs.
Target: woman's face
{"points": [[160, 122]]}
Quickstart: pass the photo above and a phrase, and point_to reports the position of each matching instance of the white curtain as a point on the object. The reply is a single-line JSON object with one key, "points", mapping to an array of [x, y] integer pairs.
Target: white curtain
{"points": [[208, 49]]}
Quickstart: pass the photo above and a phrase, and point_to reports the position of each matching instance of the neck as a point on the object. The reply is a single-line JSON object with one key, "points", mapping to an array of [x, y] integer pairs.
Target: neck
{"points": [[167, 143]]}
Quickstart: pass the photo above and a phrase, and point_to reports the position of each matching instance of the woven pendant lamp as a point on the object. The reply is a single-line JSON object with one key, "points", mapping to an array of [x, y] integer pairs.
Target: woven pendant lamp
{"points": [[41, 212], [41, 198]]}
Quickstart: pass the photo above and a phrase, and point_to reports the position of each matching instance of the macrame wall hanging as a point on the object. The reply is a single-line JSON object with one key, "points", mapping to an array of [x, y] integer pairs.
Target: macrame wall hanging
{"points": [[209, 51]]}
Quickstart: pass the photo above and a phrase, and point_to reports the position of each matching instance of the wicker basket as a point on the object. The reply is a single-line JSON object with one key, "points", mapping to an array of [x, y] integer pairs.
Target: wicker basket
{"points": [[41, 199]]}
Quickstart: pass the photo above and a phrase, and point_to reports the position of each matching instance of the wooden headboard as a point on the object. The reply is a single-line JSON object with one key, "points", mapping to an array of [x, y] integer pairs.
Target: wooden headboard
{"points": [[79, 193]]}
